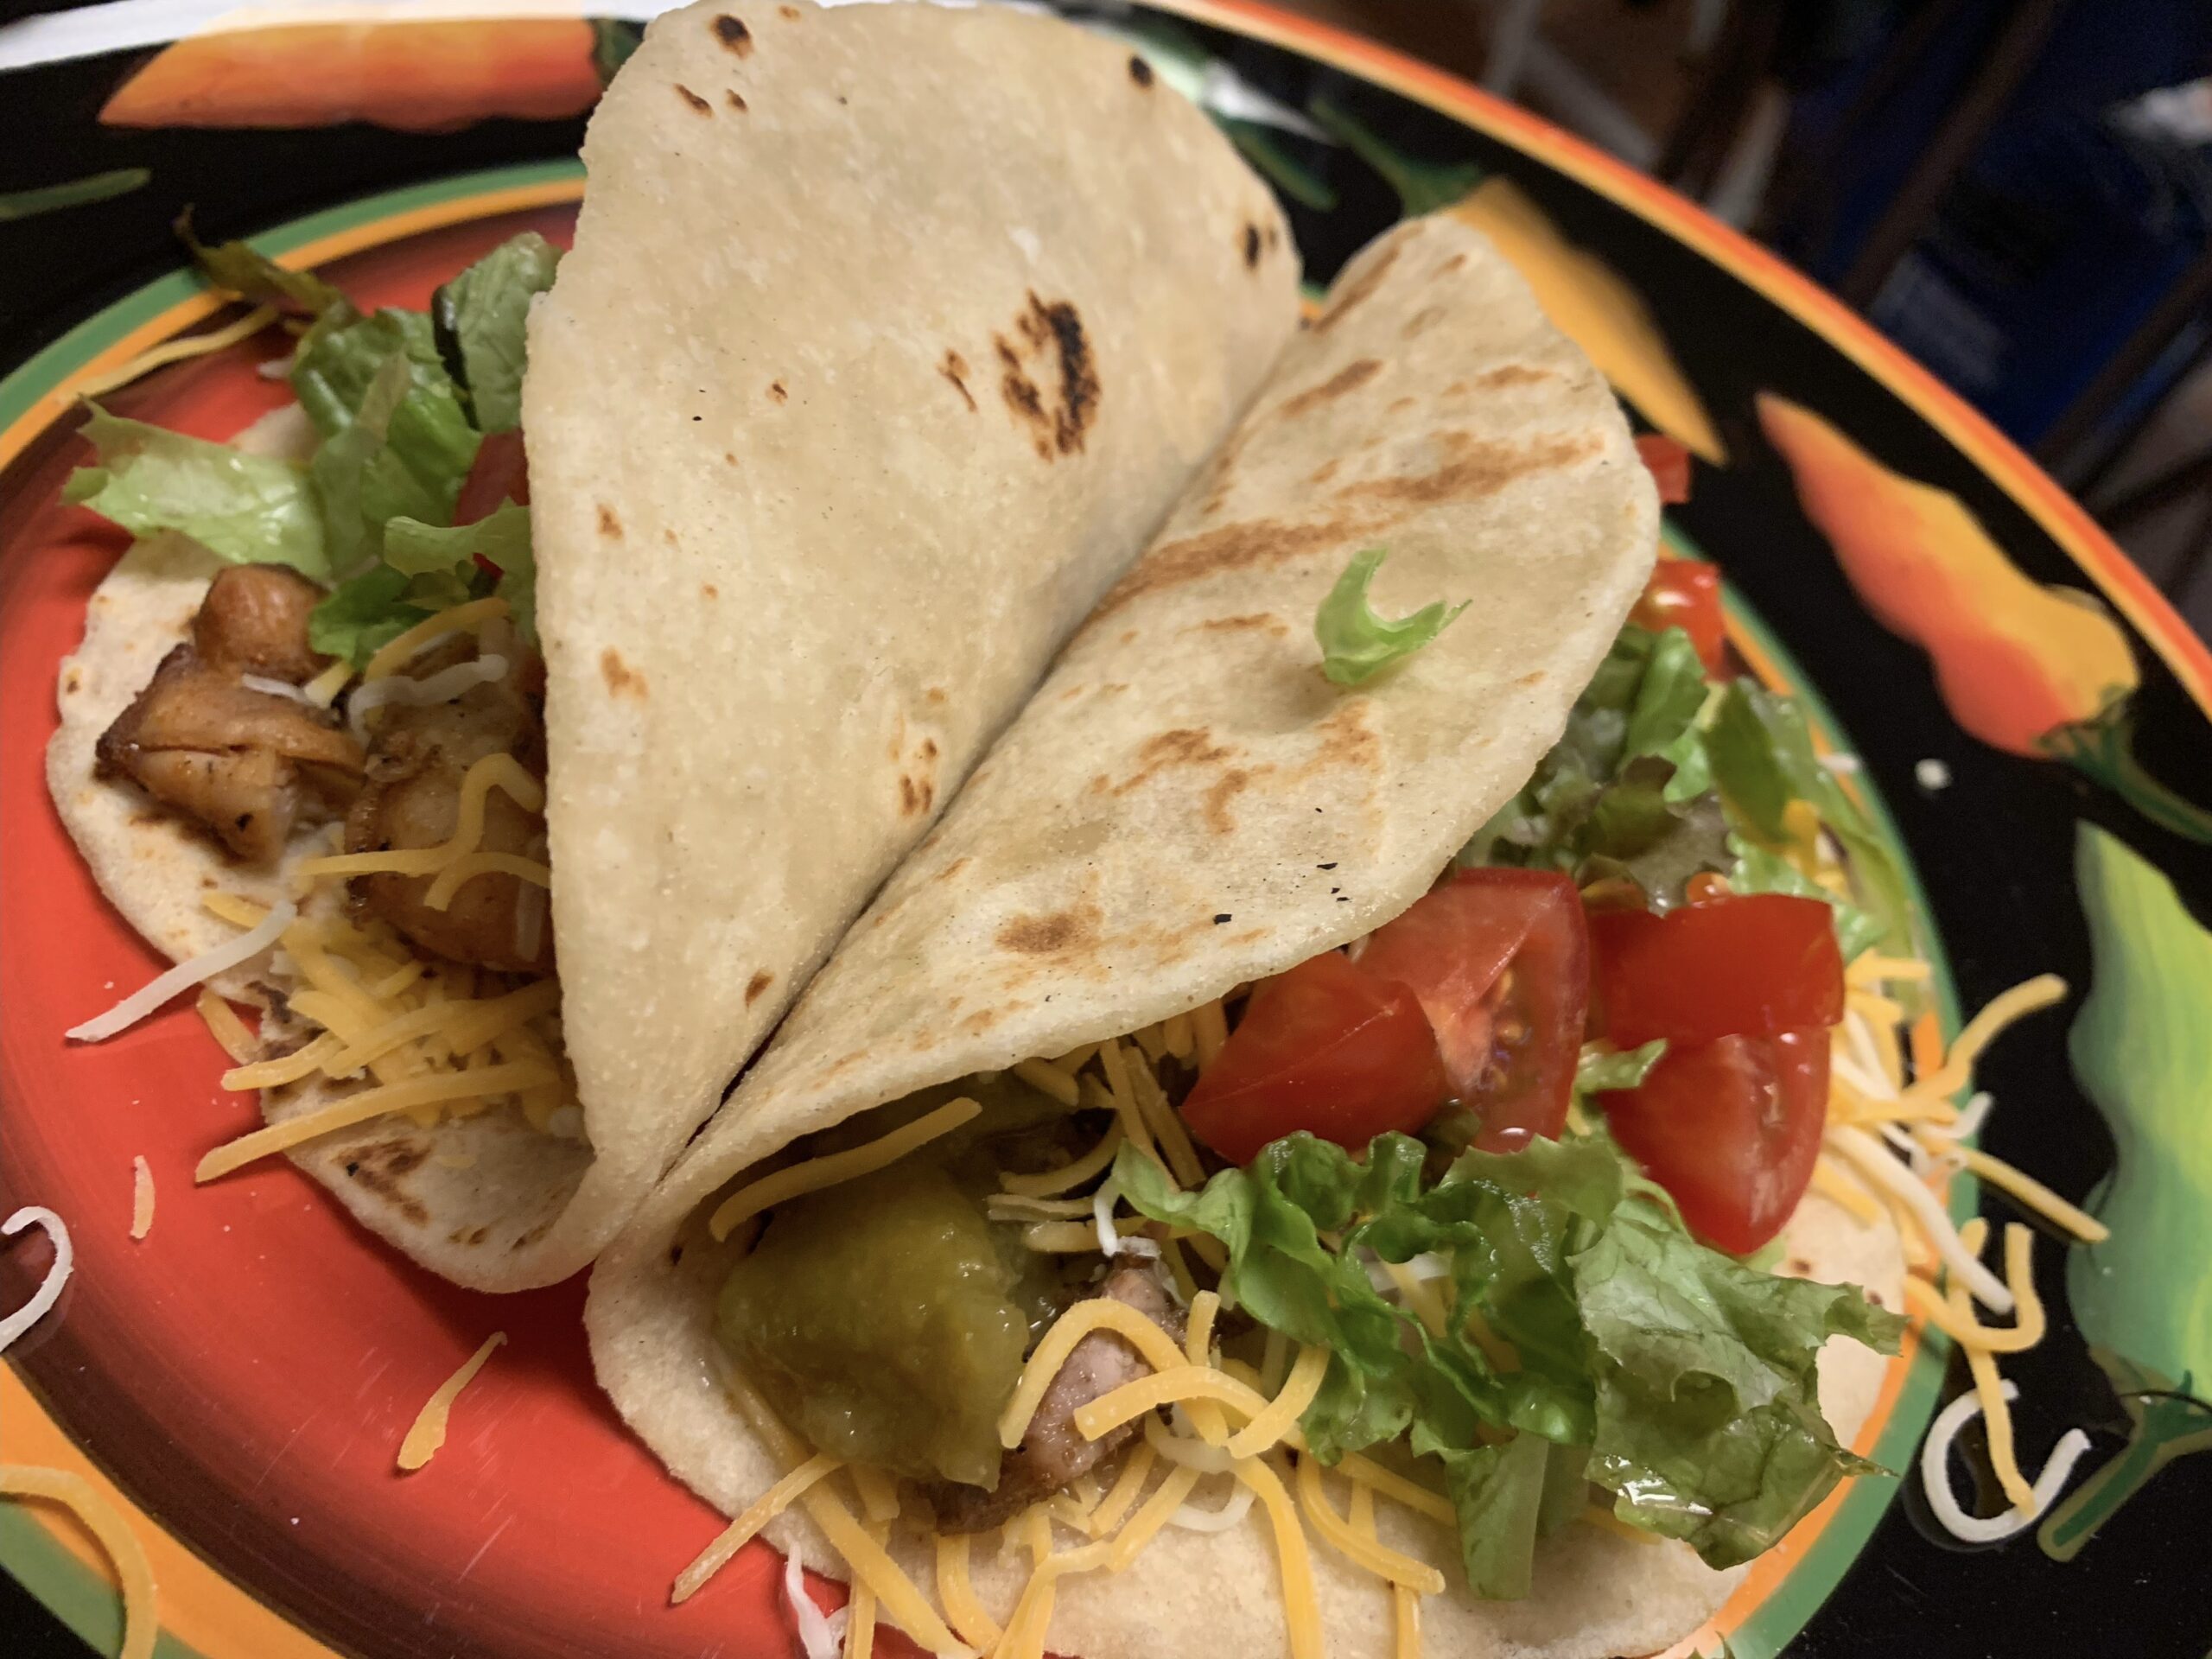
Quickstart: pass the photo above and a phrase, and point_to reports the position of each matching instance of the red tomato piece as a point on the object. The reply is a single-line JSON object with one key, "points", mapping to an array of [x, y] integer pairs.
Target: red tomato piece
{"points": [[1732, 1129], [1669, 463], [1686, 594], [1500, 960], [502, 474], [1323, 1047], [1748, 966]]}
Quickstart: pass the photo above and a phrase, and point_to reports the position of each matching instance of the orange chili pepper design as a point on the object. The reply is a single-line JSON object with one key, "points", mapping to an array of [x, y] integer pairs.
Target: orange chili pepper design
{"points": [[428, 76], [2015, 660], [2034, 670]]}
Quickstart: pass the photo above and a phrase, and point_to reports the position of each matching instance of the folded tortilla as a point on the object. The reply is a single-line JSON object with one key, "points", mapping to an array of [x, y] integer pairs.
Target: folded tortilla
{"points": [[889, 335], [1186, 804]]}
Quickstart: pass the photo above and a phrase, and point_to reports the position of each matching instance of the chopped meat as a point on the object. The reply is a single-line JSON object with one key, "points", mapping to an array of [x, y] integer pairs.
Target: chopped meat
{"points": [[250, 765], [418, 756], [255, 620], [1054, 1452]]}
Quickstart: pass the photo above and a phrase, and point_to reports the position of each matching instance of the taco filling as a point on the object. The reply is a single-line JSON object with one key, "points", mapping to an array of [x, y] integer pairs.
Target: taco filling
{"points": [[1479, 1210], [367, 754]]}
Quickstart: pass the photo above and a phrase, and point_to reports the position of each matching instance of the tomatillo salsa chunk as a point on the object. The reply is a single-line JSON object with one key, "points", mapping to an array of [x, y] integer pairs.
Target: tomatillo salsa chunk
{"points": [[881, 1318]]}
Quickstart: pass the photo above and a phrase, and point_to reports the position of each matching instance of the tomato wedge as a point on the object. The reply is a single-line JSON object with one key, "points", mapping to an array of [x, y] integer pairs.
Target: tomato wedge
{"points": [[1748, 966], [1500, 960], [502, 474], [1326, 1048], [1686, 594], [1732, 1129], [1669, 463]]}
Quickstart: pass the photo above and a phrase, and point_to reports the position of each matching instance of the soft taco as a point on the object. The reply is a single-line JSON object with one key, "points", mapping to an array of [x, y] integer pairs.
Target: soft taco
{"points": [[813, 488], [1199, 1130]]}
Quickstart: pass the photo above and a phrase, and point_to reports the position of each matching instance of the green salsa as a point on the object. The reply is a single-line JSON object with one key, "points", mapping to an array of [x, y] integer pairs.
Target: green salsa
{"points": [[887, 1320]]}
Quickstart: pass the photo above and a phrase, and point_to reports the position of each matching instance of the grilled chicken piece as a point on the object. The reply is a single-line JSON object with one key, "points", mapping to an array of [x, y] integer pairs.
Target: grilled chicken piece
{"points": [[418, 756], [255, 620], [1054, 1452], [250, 765]]}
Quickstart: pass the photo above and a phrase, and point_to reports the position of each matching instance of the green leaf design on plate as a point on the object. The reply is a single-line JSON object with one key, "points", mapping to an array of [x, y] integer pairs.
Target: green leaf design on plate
{"points": [[2142, 1048], [1422, 187], [74, 193]]}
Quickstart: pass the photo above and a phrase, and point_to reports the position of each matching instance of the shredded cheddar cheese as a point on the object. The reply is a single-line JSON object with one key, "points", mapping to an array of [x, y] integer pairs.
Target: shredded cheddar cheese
{"points": [[1093, 1313], [177, 350], [830, 1170], [225, 1025], [971, 1621], [1067, 1176], [742, 1531], [141, 1196], [458, 619], [429, 1432], [1360, 1546]]}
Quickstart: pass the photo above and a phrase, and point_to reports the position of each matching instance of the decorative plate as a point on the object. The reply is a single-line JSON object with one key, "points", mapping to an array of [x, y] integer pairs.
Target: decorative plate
{"points": [[2029, 721]]}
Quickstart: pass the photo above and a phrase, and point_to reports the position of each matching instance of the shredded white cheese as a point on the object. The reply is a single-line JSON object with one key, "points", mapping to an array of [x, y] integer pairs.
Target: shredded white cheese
{"points": [[442, 687], [57, 1273], [195, 970], [1935, 1476]]}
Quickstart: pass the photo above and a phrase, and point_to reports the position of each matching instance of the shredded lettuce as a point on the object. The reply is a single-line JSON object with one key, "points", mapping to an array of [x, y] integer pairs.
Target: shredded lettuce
{"points": [[1763, 761], [1600, 1070], [1357, 644], [246, 509], [239, 268], [363, 615], [1627, 789], [442, 561], [478, 319], [1676, 1378]]}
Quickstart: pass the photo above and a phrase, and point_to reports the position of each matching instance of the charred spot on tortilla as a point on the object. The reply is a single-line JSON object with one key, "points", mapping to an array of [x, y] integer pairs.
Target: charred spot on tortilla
{"points": [[732, 33], [73, 679], [1348, 378], [609, 526], [1251, 245], [708, 590], [470, 1236], [399, 1159], [1474, 467], [1140, 71], [1055, 931], [1225, 789], [776, 390], [1323, 472], [756, 985], [914, 797], [1063, 427], [735, 101], [694, 99], [1421, 322], [1232, 548], [934, 694], [1509, 374], [622, 679], [1259, 621], [1360, 287], [955, 369], [1183, 746], [789, 14]]}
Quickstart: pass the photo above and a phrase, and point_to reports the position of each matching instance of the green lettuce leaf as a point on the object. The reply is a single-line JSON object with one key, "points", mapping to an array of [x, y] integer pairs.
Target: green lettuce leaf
{"points": [[1498, 1491], [478, 319], [1673, 1376], [238, 267], [1600, 1070], [247, 509], [1709, 1426], [382, 373], [1357, 644], [1627, 789], [363, 615], [442, 561], [395, 456], [1763, 759]]}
